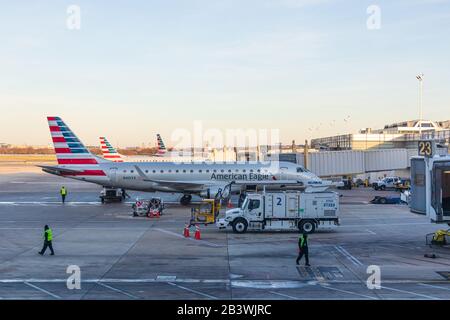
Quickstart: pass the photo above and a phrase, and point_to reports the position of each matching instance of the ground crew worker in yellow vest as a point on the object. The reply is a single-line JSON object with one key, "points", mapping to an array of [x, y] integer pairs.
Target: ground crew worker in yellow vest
{"points": [[63, 193], [48, 237], [303, 249]]}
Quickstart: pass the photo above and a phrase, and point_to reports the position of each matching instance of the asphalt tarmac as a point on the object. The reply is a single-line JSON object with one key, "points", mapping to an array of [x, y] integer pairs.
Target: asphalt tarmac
{"points": [[121, 257]]}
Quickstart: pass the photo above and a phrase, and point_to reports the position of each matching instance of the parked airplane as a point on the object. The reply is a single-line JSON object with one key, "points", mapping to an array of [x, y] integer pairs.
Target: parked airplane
{"points": [[206, 179], [109, 152], [162, 151]]}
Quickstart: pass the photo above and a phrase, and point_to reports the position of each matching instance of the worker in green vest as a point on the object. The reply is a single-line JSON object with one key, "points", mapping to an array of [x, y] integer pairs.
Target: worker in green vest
{"points": [[303, 249], [63, 193], [48, 237]]}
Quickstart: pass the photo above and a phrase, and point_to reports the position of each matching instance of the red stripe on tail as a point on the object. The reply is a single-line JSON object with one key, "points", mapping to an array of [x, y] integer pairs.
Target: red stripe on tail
{"points": [[62, 150], [55, 129], [59, 139]]}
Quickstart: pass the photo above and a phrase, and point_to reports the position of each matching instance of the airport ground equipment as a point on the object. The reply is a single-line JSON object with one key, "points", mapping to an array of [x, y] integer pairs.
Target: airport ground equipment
{"points": [[346, 184], [386, 200], [403, 184], [148, 208], [359, 183], [206, 212], [386, 183], [366, 183], [288, 210], [440, 238], [405, 196], [111, 195]]}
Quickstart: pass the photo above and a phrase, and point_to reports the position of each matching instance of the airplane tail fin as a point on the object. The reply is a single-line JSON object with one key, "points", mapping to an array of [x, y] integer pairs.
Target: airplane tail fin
{"points": [[161, 147], [109, 152], [69, 149]]}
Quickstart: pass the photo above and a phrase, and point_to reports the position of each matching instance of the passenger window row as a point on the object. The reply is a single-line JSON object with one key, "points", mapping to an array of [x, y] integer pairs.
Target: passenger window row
{"points": [[200, 171]]}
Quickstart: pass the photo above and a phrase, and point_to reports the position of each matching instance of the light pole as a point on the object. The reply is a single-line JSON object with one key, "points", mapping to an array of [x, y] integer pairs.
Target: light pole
{"points": [[420, 79]]}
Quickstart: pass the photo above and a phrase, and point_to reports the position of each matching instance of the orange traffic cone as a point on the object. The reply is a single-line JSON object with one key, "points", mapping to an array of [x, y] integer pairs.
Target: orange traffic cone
{"points": [[197, 233], [186, 231], [229, 204]]}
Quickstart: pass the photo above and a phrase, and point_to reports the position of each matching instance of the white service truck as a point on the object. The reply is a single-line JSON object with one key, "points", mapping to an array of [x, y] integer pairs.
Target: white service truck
{"points": [[288, 210], [386, 183]]}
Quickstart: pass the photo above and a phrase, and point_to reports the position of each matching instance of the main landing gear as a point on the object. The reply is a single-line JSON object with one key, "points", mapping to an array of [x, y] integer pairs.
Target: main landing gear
{"points": [[185, 200]]}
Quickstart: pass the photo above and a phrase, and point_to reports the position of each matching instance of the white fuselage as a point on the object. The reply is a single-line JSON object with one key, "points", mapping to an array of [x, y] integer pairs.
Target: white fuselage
{"points": [[196, 177]]}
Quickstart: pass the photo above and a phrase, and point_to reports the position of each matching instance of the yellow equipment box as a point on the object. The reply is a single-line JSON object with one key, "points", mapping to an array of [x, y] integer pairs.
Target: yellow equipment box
{"points": [[206, 213]]}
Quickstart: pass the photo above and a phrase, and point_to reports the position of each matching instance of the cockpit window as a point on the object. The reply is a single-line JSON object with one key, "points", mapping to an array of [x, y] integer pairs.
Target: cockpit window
{"points": [[300, 169]]}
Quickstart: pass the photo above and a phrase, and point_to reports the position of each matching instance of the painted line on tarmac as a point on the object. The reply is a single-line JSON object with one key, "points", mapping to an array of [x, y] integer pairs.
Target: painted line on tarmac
{"points": [[106, 280], [8, 203], [344, 252], [271, 284], [283, 295], [40, 182], [20, 228], [384, 224], [193, 291], [47, 203], [237, 283], [349, 292], [42, 290], [183, 237], [432, 286], [117, 290], [412, 293], [370, 231]]}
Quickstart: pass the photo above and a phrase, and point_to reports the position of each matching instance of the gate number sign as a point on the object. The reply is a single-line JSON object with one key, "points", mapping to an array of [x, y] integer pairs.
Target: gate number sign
{"points": [[426, 148]]}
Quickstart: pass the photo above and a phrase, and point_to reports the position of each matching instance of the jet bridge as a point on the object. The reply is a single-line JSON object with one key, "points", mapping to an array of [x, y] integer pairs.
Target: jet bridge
{"points": [[430, 186]]}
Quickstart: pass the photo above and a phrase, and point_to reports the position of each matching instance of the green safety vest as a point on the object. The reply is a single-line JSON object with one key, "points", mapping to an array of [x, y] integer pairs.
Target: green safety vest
{"points": [[63, 191], [49, 234], [302, 241]]}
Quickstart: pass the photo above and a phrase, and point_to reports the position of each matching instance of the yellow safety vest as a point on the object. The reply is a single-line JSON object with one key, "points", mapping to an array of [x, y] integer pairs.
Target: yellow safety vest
{"points": [[49, 234], [63, 191]]}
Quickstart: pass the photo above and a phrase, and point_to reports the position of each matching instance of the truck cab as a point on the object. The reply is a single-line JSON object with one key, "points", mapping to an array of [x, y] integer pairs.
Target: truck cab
{"points": [[240, 218]]}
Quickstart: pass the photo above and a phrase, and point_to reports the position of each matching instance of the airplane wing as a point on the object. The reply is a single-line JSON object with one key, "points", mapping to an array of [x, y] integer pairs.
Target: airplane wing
{"points": [[172, 184], [271, 182]]}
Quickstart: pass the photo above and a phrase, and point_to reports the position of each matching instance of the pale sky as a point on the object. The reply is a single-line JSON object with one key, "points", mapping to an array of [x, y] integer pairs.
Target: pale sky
{"points": [[136, 68]]}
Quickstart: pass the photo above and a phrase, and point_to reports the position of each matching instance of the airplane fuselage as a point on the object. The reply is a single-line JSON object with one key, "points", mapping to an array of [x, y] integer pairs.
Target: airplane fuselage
{"points": [[129, 175]]}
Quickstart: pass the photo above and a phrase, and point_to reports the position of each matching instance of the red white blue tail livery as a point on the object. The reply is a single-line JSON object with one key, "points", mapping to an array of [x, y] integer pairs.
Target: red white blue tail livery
{"points": [[161, 147], [109, 152], [74, 159]]}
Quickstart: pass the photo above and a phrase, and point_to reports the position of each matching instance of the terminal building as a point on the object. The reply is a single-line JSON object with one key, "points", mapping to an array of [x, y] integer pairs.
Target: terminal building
{"points": [[370, 153], [403, 135]]}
